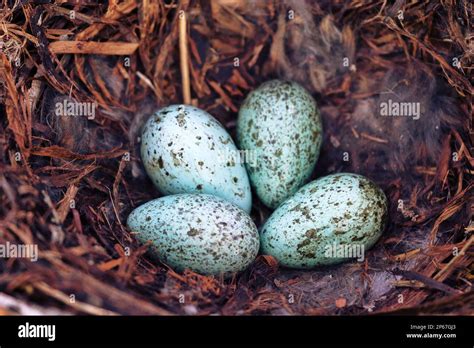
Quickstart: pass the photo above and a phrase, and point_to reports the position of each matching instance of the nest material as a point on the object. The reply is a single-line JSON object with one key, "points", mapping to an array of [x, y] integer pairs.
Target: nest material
{"points": [[67, 184]]}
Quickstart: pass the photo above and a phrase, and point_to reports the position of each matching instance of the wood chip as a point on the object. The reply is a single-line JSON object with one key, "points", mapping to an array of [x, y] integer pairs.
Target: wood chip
{"points": [[91, 47]]}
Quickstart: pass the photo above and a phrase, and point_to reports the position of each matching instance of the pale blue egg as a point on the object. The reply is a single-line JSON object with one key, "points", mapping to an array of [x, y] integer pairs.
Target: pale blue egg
{"points": [[280, 126], [186, 150], [201, 232], [328, 221]]}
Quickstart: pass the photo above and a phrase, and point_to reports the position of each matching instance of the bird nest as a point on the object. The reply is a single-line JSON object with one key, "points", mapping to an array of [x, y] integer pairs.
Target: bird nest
{"points": [[67, 184]]}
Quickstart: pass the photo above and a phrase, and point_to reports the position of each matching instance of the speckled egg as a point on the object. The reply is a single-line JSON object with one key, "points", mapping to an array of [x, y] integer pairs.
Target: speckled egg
{"points": [[186, 150], [279, 123], [201, 232], [328, 221]]}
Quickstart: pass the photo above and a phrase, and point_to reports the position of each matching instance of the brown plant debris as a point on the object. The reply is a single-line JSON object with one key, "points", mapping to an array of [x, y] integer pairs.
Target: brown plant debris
{"points": [[68, 180]]}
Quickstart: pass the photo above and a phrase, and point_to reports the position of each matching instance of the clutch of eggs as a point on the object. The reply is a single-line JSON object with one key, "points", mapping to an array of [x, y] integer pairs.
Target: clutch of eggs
{"points": [[202, 223]]}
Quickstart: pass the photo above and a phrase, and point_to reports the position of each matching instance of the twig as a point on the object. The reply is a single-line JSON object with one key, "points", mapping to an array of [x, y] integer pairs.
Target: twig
{"points": [[184, 56], [427, 281], [13, 306], [92, 47], [80, 306], [450, 263]]}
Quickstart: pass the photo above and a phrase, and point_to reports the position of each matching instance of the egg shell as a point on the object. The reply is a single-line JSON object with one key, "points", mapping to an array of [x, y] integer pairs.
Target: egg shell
{"points": [[201, 232], [280, 123], [186, 150], [342, 210]]}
